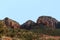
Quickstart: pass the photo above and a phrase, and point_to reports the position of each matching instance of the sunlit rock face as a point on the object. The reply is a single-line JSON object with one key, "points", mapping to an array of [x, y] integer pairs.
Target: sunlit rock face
{"points": [[47, 20], [11, 23]]}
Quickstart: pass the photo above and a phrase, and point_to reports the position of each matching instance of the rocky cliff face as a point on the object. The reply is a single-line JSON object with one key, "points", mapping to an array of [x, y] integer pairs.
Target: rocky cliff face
{"points": [[47, 20], [11, 23]]}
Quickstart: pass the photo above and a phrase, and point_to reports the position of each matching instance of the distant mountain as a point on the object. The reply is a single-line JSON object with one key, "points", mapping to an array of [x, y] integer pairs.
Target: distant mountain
{"points": [[48, 21], [41, 21], [28, 24], [7, 22]]}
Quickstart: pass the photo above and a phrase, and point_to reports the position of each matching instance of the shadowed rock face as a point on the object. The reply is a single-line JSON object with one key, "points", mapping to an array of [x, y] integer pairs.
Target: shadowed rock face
{"points": [[58, 25], [47, 20], [28, 24], [11, 23]]}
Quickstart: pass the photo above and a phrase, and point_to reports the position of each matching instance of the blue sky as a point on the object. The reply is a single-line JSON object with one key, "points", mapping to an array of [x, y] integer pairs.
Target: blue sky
{"points": [[23, 10]]}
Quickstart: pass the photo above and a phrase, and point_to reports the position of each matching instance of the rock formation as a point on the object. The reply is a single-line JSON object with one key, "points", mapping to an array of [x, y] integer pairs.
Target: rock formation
{"points": [[11, 23], [47, 20], [28, 24], [41, 21]]}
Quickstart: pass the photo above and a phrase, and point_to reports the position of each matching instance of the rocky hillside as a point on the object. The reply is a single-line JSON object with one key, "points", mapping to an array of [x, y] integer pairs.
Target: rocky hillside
{"points": [[48, 21], [7, 22], [42, 20], [30, 30], [28, 24]]}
